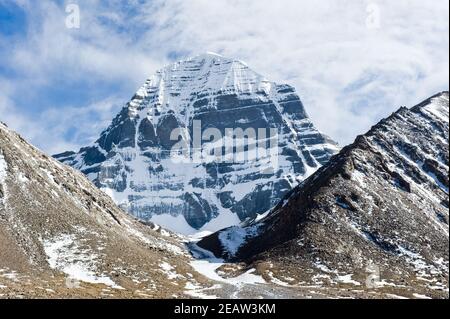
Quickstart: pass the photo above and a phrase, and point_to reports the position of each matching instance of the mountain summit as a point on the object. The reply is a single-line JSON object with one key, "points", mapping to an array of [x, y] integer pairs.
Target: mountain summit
{"points": [[203, 99]]}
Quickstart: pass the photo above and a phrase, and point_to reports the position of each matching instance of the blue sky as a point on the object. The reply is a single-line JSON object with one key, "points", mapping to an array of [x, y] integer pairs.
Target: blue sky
{"points": [[352, 61]]}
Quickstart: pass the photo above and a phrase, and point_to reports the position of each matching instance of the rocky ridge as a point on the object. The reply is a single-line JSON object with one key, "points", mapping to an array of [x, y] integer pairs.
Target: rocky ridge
{"points": [[374, 219]]}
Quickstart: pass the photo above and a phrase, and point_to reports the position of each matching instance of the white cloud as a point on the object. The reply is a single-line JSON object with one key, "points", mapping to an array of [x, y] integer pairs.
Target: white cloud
{"points": [[84, 123], [52, 58], [49, 129], [348, 75], [93, 50]]}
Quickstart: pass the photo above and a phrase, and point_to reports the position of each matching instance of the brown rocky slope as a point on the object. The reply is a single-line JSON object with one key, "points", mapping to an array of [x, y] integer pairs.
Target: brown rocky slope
{"points": [[373, 220], [62, 237]]}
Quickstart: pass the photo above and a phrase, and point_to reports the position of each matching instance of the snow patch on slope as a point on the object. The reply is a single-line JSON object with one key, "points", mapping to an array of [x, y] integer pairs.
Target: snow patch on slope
{"points": [[153, 242], [170, 271], [208, 265], [65, 255], [3, 168], [234, 237], [208, 268], [178, 224]]}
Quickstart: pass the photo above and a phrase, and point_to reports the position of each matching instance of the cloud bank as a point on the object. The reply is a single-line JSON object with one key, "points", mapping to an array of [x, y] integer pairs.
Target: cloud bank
{"points": [[352, 62]]}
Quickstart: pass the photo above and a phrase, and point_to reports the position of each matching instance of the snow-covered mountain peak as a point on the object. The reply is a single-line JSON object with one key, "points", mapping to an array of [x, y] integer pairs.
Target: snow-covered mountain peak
{"points": [[213, 71], [177, 86], [132, 161]]}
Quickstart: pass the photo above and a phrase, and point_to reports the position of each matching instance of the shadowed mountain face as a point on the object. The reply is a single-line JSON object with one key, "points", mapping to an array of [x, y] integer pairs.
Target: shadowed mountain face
{"points": [[376, 216], [133, 159], [62, 237]]}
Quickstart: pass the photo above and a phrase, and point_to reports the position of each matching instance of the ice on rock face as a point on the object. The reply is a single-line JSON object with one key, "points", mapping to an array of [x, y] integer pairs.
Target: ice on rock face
{"points": [[132, 160]]}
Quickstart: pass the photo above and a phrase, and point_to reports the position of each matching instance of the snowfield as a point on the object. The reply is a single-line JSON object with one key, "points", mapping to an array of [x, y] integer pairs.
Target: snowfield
{"points": [[64, 254]]}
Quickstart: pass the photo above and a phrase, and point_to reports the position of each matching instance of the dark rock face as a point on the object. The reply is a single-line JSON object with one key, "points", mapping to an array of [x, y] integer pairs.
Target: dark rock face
{"points": [[378, 208], [197, 210], [133, 158], [147, 135]]}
